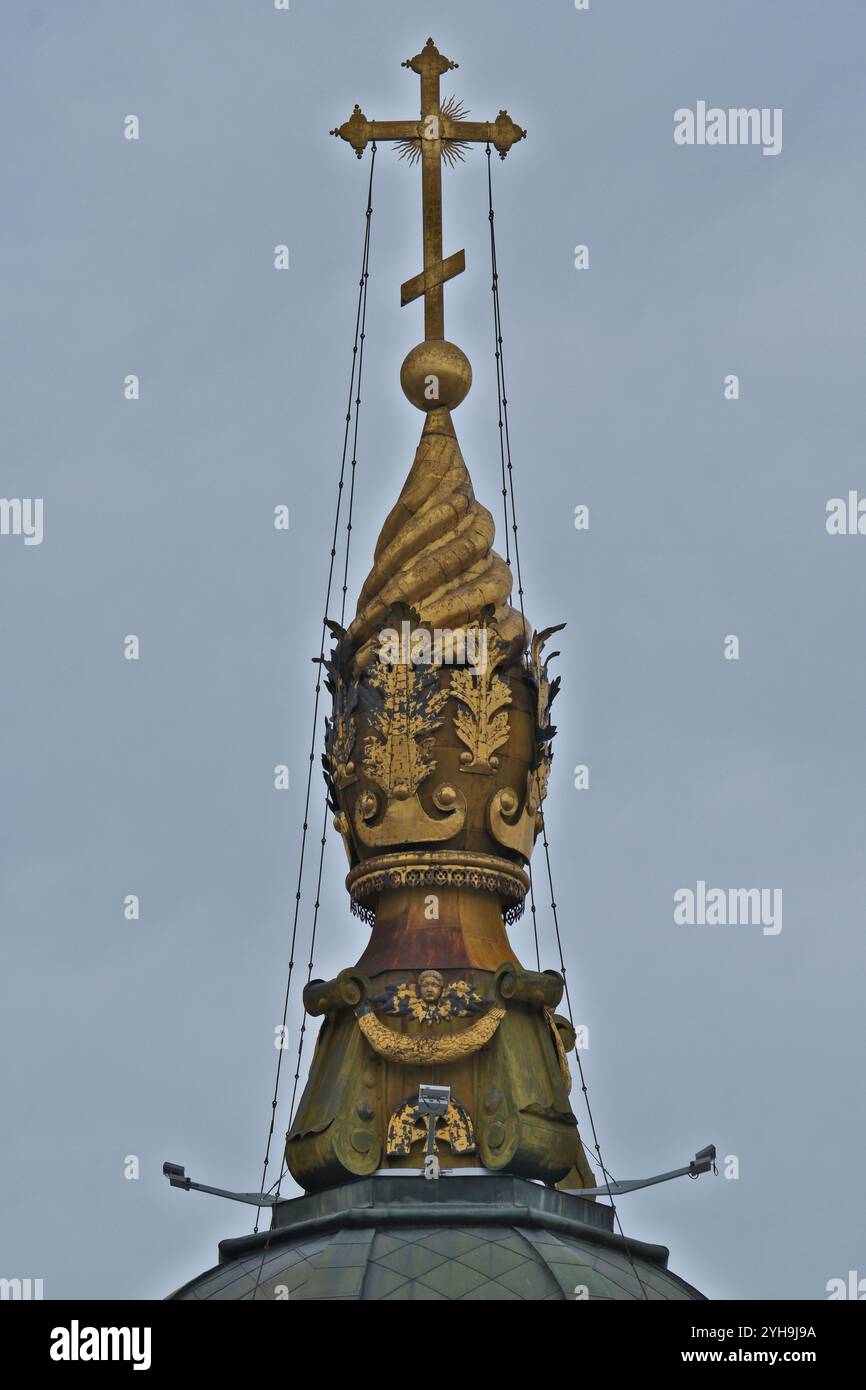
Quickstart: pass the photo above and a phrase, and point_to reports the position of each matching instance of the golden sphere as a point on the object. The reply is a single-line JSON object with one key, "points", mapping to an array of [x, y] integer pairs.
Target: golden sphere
{"points": [[436, 373]]}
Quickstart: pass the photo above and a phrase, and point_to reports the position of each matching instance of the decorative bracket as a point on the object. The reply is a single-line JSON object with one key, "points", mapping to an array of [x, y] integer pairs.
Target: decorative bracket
{"points": [[518, 835], [406, 822]]}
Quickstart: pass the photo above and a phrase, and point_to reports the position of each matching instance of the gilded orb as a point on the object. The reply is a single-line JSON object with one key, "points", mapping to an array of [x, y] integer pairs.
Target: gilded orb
{"points": [[436, 373]]}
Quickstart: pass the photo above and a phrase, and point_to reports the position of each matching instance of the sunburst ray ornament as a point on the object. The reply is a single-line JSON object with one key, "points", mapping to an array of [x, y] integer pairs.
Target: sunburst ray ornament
{"points": [[452, 148]]}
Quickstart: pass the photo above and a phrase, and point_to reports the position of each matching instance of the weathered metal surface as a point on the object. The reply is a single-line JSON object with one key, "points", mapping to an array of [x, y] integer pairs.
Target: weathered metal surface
{"points": [[502, 1058], [479, 1238]]}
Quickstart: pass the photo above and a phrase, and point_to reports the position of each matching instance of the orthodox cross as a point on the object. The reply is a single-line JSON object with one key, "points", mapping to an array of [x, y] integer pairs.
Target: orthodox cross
{"points": [[440, 133]]}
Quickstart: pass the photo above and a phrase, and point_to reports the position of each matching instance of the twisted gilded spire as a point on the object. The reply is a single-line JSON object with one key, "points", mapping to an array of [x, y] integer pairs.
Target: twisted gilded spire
{"points": [[436, 767], [435, 551]]}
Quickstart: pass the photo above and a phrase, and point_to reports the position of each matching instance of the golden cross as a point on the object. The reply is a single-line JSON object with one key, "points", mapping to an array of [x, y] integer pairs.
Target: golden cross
{"points": [[439, 134]]}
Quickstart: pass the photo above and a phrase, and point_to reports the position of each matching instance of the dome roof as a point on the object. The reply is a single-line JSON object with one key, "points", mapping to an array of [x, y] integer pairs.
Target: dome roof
{"points": [[463, 1237]]}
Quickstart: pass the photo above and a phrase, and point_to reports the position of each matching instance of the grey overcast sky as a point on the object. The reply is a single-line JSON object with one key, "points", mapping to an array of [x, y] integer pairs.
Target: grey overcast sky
{"points": [[707, 518]]}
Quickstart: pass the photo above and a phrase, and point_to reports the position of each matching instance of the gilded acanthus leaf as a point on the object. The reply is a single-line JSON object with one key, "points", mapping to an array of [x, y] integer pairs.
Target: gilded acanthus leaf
{"points": [[340, 729], [340, 734], [545, 693], [536, 784], [397, 755], [546, 689], [482, 725]]}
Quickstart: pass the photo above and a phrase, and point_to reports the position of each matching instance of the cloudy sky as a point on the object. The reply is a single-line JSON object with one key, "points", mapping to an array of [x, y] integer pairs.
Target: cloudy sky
{"points": [[154, 1038]]}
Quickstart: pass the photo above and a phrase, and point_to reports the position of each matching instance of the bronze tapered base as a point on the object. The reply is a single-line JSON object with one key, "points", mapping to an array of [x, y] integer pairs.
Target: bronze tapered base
{"points": [[468, 931]]}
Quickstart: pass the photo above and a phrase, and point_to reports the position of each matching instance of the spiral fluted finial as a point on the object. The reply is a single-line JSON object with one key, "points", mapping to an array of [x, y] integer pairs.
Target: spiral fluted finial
{"points": [[435, 552]]}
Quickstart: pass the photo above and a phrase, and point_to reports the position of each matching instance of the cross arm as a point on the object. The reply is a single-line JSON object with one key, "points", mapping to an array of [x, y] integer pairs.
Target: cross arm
{"points": [[358, 131], [428, 279], [501, 133]]}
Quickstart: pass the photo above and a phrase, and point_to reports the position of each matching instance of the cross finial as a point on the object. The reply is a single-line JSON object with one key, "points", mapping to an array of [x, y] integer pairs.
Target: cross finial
{"points": [[429, 60], [440, 132]]}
